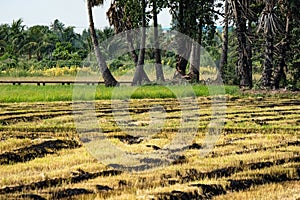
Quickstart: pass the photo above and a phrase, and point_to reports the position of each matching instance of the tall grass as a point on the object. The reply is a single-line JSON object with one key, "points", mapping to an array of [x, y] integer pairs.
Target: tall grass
{"points": [[48, 93]]}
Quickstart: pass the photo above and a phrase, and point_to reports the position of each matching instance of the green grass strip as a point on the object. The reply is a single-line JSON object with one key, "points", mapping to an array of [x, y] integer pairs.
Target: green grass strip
{"points": [[49, 93]]}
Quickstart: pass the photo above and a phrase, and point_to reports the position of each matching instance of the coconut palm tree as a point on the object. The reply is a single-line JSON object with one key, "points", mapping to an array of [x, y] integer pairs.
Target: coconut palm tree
{"points": [[241, 13], [125, 16], [122, 23], [140, 76], [270, 24], [108, 78], [16, 36], [4, 37]]}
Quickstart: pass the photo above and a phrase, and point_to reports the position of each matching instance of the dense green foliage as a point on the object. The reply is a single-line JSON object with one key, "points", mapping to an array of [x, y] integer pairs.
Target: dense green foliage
{"points": [[42, 47], [263, 46]]}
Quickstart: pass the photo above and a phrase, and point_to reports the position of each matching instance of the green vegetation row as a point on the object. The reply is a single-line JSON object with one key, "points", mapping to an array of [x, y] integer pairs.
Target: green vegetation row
{"points": [[48, 93]]}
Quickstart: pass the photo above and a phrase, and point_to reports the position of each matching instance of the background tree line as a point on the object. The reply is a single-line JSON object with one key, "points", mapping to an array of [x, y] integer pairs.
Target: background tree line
{"points": [[260, 38], [45, 46]]}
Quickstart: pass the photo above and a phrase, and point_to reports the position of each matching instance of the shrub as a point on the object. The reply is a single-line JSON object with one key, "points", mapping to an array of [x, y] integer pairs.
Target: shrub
{"points": [[115, 64]]}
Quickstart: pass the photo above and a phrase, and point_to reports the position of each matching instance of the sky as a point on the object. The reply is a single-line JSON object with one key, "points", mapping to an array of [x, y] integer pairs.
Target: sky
{"points": [[69, 12]]}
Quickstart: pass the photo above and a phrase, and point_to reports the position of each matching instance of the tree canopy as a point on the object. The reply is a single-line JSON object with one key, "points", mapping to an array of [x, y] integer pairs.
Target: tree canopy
{"points": [[256, 46]]}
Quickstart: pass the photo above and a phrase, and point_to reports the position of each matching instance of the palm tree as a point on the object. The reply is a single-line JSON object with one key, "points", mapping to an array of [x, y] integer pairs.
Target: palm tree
{"points": [[37, 42], [178, 10], [270, 24], [241, 12], [126, 21], [287, 8], [118, 19], [108, 78], [4, 37], [140, 76], [16, 36], [58, 28]]}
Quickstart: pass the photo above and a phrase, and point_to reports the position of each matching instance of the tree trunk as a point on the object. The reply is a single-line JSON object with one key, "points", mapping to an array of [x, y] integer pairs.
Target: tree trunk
{"points": [[268, 62], [133, 54], [195, 63], [241, 31], [181, 64], [249, 53], [283, 47], [39, 56], [140, 75], [279, 73], [108, 78], [29, 55], [195, 55], [224, 56], [195, 31], [158, 66], [183, 51]]}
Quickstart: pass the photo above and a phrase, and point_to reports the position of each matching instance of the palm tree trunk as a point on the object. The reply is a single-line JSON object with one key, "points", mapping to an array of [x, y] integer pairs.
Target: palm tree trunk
{"points": [[249, 53], [108, 78], [140, 75], [182, 50], [284, 45], [29, 54], [133, 54], [195, 56], [241, 31], [195, 62], [268, 62], [158, 66], [224, 56], [279, 73]]}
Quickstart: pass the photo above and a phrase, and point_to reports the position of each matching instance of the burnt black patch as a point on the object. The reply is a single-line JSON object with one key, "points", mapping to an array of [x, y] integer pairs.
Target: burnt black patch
{"points": [[195, 146], [31, 118], [37, 151], [129, 139], [58, 181], [31, 197], [103, 188], [66, 193], [153, 146]]}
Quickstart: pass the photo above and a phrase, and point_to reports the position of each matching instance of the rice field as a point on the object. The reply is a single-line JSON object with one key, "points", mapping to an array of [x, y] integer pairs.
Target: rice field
{"points": [[256, 156]]}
